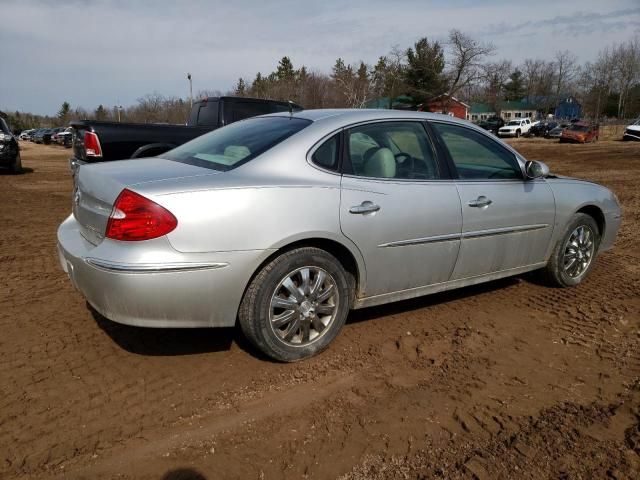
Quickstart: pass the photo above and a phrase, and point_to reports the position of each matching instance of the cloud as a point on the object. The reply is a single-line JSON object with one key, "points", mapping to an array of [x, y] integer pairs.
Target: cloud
{"points": [[114, 51]]}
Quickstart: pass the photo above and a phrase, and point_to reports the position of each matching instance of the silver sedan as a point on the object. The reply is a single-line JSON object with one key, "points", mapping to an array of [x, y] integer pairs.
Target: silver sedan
{"points": [[286, 222]]}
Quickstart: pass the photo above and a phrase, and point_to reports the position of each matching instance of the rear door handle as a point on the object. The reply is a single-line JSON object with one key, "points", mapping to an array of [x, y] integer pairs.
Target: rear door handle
{"points": [[480, 202], [364, 208]]}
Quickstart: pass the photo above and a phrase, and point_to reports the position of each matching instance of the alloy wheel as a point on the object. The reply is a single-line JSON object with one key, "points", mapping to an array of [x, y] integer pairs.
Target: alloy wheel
{"points": [[303, 306], [578, 251]]}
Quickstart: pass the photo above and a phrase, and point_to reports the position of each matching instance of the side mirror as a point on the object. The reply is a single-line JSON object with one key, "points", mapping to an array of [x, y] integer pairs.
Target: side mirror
{"points": [[533, 169]]}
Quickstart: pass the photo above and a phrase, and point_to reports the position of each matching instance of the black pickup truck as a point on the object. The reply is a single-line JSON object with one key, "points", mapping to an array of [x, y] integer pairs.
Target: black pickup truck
{"points": [[96, 141]]}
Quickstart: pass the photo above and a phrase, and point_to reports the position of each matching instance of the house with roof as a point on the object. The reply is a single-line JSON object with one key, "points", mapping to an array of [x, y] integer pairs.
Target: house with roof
{"points": [[513, 109], [479, 112], [567, 108], [448, 105]]}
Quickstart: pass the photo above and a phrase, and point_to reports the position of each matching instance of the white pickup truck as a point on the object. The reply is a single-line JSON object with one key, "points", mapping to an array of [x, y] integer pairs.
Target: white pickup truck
{"points": [[515, 128], [632, 132]]}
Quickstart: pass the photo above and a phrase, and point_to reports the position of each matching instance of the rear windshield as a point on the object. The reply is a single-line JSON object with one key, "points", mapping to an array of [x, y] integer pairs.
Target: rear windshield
{"points": [[230, 146]]}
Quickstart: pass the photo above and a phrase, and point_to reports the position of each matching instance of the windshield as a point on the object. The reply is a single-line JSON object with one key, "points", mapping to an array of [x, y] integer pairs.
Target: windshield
{"points": [[514, 122], [230, 146], [637, 122]]}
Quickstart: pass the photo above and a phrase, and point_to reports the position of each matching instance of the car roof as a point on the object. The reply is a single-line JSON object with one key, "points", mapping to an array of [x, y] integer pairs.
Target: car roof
{"points": [[354, 115]]}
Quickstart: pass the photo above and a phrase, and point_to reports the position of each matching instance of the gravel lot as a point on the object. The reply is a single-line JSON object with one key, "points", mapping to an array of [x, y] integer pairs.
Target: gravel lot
{"points": [[506, 380]]}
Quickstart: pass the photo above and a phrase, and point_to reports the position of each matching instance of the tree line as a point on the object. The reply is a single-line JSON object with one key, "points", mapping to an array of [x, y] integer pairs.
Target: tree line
{"points": [[461, 66]]}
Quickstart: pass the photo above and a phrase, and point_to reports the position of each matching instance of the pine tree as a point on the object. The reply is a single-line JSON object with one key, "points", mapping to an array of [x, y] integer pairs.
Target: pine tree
{"points": [[423, 73], [285, 69], [241, 88], [515, 88], [100, 113], [63, 113]]}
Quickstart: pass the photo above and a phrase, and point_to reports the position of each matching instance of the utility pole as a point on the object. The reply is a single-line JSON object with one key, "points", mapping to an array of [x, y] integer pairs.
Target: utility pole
{"points": [[190, 90]]}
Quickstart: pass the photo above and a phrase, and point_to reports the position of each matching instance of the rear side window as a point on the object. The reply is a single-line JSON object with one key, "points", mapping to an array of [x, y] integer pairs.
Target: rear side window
{"points": [[235, 144], [476, 156], [326, 156]]}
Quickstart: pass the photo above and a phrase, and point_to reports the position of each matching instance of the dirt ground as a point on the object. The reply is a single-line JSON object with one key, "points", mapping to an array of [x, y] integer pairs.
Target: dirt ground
{"points": [[506, 380]]}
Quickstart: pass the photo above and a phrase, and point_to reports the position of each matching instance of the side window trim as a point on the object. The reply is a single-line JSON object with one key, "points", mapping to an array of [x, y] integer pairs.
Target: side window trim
{"points": [[452, 166]]}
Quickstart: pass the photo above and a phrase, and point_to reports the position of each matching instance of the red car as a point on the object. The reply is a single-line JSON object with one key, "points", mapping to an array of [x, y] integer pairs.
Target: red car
{"points": [[580, 132]]}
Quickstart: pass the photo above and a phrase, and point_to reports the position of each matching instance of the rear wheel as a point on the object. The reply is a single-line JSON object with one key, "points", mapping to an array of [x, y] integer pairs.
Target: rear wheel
{"points": [[296, 305], [574, 254]]}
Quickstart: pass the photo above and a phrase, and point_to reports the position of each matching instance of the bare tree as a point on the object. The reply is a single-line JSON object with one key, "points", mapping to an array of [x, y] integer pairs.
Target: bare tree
{"points": [[354, 84], [627, 59], [494, 76], [388, 75], [566, 69], [465, 60]]}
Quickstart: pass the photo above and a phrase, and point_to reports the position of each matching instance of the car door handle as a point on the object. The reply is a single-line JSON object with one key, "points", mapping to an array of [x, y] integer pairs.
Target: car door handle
{"points": [[365, 207], [480, 202]]}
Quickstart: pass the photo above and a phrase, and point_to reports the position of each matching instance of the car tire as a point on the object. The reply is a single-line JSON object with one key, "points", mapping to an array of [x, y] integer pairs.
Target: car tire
{"points": [[281, 284], [517, 133], [558, 272], [17, 166]]}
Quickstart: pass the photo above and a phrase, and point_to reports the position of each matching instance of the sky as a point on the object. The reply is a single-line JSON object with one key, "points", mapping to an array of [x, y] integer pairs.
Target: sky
{"points": [[111, 52]]}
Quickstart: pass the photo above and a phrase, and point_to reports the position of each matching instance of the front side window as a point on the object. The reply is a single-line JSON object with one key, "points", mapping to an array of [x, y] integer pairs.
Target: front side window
{"points": [[476, 156], [399, 150], [230, 146]]}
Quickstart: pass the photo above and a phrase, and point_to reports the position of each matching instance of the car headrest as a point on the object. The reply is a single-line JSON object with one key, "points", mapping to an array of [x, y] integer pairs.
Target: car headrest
{"points": [[380, 163], [237, 151]]}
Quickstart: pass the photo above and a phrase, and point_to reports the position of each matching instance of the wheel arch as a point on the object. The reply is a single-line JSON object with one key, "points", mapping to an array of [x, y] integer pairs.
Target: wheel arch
{"points": [[597, 214], [348, 256]]}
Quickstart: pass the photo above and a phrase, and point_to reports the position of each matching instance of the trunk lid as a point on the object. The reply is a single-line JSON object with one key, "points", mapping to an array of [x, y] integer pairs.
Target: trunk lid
{"points": [[97, 187]]}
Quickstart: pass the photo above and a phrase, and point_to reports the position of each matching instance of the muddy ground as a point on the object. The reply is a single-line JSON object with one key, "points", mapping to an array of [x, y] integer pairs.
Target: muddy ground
{"points": [[506, 380]]}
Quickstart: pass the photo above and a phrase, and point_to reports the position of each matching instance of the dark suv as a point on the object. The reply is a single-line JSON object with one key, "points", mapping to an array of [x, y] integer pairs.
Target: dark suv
{"points": [[9, 150]]}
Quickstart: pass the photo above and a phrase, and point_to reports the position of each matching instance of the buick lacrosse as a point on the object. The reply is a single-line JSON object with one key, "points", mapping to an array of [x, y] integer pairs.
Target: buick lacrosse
{"points": [[286, 222]]}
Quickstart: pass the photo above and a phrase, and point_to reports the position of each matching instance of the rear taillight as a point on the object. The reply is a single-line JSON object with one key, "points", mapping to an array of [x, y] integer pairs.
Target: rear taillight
{"points": [[92, 145], [134, 218]]}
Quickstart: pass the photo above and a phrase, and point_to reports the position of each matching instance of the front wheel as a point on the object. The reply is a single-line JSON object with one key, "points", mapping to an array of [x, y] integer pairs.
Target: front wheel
{"points": [[17, 166], [517, 133], [296, 305], [574, 254]]}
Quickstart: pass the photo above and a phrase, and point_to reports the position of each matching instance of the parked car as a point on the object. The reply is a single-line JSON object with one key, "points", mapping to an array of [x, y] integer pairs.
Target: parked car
{"points": [[286, 222], [55, 132], [38, 136], [24, 135], [492, 124], [32, 134], [102, 141], [580, 132], [632, 132], [515, 128], [557, 131], [64, 137], [542, 129], [9, 149]]}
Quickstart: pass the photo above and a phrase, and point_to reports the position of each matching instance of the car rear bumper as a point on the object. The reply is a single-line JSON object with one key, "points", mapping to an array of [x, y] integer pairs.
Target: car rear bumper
{"points": [[185, 290]]}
